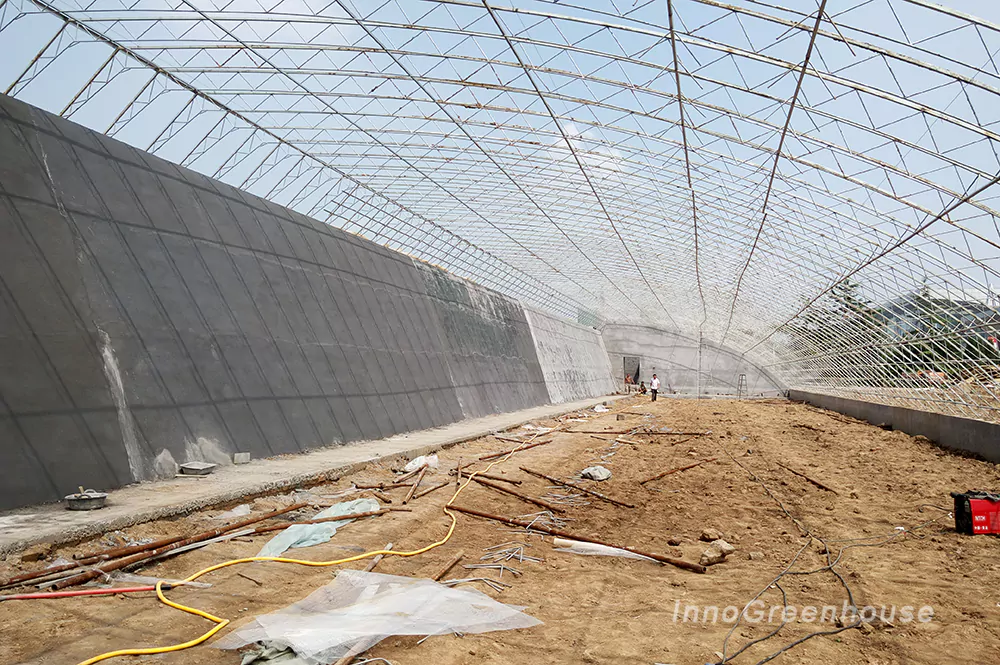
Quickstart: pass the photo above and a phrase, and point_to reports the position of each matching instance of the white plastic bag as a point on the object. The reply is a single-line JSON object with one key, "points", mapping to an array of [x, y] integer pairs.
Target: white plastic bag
{"points": [[305, 535], [598, 473], [358, 610], [241, 510], [414, 464], [593, 549]]}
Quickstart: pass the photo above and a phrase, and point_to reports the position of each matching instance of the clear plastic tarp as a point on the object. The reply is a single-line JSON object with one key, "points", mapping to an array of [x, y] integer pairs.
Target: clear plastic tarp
{"points": [[358, 609]]}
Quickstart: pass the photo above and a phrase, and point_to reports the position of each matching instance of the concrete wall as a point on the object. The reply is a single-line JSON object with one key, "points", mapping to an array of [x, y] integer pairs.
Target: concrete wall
{"points": [[149, 314], [572, 357], [674, 358], [973, 436]]}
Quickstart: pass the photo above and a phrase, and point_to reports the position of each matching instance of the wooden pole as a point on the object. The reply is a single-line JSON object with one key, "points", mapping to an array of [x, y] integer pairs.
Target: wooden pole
{"points": [[522, 497], [518, 449], [670, 471], [448, 566], [430, 489], [416, 484], [680, 563], [378, 557], [150, 553], [566, 483]]}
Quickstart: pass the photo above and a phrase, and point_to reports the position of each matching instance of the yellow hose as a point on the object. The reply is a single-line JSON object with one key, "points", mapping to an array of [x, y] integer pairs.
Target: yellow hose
{"points": [[222, 623]]}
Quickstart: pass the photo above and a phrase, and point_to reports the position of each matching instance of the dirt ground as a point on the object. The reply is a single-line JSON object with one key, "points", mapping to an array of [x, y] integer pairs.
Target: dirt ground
{"points": [[612, 610]]}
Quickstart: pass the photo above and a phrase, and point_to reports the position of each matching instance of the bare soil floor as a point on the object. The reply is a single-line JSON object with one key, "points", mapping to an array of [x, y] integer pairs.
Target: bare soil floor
{"points": [[610, 610]]}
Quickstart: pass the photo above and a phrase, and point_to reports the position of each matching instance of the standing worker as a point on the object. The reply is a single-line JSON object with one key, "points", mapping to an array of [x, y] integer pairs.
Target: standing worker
{"points": [[654, 386]]}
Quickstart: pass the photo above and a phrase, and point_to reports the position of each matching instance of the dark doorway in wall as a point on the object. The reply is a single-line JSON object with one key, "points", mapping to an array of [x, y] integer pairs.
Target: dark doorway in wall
{"points": [[630, 368]]}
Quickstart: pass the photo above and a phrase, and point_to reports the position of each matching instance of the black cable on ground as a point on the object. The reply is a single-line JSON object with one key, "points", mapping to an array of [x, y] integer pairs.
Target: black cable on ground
{"points": [[830, 567]]}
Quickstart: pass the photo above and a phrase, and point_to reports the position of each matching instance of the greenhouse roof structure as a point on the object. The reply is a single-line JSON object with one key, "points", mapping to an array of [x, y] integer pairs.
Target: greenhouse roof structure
{"points": [[810, 183]]}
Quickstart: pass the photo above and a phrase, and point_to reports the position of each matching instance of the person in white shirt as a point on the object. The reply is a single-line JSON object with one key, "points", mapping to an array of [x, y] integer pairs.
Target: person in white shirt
{"points": [[654, 386]]}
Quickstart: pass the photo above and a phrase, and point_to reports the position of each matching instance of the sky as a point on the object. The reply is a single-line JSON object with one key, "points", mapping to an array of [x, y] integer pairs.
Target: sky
{"points": [[451, 129]]}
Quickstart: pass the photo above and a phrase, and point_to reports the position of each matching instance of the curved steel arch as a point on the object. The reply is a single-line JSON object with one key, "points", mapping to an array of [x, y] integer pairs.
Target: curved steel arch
{"points": [[785, 181]]}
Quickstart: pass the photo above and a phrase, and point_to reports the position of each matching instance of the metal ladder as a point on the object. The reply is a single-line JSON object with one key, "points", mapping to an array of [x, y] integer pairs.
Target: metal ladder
{"points": [[741, 387]]}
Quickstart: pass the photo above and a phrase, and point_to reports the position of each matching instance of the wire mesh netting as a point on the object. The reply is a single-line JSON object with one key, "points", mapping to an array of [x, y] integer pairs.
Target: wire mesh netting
{"points": [[811, 185]]}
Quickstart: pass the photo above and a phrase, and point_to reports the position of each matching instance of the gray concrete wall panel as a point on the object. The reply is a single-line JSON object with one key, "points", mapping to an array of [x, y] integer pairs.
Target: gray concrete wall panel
{"points": [[963, 434], [674, 358], [146, 310], [234, 325], [572, 357]]}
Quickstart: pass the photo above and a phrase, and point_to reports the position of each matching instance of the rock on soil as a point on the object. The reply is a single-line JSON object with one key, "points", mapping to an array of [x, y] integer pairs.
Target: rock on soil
{"points": [[709, 535]]}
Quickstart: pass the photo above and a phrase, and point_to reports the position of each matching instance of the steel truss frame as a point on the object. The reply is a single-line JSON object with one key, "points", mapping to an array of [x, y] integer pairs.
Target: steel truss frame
{"points": [[727, 169]]}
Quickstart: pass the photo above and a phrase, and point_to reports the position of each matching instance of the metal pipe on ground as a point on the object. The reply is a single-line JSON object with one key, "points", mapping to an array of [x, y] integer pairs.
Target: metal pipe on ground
{"points": [[378, 557], [680, 563], [379, 486], [351, 516], [105, 555], [47, 595], [635, 432], [116, 552], [491, 476], [430, 489], [410, 474], [148, 554], [86, 560]]}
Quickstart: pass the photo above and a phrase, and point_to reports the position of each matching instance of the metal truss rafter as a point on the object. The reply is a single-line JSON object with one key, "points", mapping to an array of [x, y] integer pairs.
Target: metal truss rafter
{"points": [[814, 188]]}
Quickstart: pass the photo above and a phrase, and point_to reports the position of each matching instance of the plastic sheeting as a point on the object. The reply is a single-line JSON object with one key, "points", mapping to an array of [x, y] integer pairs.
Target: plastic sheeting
{"points": [[241, 510], [430, 460], [358, 610], [305, 535], [593, 549]]}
